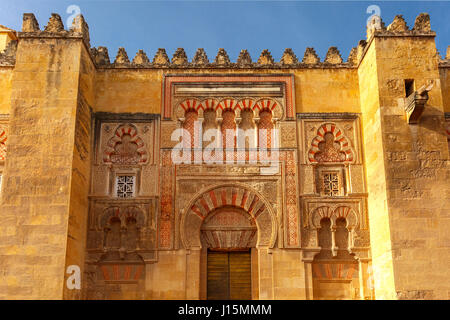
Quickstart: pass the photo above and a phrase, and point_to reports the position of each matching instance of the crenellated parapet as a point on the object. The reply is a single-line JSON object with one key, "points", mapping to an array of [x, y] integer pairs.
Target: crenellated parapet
{"points": [[222, 60], [161, 60], [55, 28], [398, 27]]}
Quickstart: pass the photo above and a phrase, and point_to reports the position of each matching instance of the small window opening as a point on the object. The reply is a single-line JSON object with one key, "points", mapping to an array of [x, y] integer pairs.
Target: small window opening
{"points": [[409, 87]]}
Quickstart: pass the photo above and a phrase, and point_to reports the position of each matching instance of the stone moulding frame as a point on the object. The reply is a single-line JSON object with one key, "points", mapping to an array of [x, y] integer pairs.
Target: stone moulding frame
{"points": [[188, 212], [338, 119], [99, 117], [338, 135], [171, 79]]}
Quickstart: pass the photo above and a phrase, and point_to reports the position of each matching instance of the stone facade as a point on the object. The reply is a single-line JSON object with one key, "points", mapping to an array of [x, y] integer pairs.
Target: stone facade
{"points": [[353, 204]]}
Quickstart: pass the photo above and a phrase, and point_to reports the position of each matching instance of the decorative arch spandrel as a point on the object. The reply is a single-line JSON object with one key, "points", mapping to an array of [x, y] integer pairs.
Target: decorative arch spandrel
{"points": [[125, 147], [330, 145]]}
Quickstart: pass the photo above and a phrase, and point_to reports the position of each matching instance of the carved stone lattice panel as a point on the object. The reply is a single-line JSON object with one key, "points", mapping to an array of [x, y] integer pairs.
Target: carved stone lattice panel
{"points": [[330, 180], [330, 142]]}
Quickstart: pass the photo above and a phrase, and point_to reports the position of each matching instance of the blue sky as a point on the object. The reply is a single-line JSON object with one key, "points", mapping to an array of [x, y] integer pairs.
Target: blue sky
{"points": [[233, 25]]}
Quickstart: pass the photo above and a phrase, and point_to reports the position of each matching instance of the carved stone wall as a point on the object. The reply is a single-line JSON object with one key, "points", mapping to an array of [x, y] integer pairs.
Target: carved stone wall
{"points": [[256, 103], [335, 229], [88, 146], [125, 147], [122, 226]]}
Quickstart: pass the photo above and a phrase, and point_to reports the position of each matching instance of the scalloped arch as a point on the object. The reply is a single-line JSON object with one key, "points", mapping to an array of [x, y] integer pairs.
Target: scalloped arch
{"points": [[339, 212], [229, 103], [122, 214], [233, 195], [338, 137], [121, 130]]}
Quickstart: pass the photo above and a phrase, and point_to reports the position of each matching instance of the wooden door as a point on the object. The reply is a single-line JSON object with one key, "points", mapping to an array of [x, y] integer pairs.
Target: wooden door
{"points": [[229, 275]]}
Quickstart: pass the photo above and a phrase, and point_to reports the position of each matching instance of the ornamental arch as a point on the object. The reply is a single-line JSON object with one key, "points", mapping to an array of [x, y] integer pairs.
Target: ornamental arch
{"points": [[237, 198]]}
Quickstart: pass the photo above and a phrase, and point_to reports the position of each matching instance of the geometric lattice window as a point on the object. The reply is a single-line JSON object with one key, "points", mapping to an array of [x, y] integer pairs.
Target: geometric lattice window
{"points": [[330, 183], [125, 186]]}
